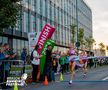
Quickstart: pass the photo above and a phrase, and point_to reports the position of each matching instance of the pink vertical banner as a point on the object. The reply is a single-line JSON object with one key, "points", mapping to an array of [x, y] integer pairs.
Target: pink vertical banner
{"points": [[45, 34]]}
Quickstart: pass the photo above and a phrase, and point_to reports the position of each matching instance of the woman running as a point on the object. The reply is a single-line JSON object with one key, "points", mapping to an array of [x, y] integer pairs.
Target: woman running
{"points": [[83, 60], [75, 62], [72, 63]]}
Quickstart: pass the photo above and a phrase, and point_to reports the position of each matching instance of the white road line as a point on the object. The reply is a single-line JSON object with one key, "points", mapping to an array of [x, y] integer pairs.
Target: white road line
{"points": [[105, 79], [57, 81]]}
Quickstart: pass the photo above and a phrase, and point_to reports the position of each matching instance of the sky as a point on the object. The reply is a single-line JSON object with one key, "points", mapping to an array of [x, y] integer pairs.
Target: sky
{"points": [[100, 20]]}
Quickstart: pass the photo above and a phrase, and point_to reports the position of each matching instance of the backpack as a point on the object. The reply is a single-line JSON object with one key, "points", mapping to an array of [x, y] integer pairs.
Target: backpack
{"points": [[31, 56]]}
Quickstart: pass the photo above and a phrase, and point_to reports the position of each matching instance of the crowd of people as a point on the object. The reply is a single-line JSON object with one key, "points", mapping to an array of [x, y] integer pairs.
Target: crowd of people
{"points": [[56, 62], [7, 58], [59, 62], [6, 54]]}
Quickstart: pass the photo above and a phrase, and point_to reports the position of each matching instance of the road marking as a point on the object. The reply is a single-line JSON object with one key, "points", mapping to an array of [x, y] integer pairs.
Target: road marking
{"points": [[105, 78], [85, 81], [57, 81]]}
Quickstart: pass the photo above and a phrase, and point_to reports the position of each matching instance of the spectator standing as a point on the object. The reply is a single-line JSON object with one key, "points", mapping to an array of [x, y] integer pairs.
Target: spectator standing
{"points": [[48, 63], [61, 61], [35, 65], [9, 55], [2, 57], [67, 62], [58, 58], [55, 63], [90, 61], [23, 58], [95, 62]]}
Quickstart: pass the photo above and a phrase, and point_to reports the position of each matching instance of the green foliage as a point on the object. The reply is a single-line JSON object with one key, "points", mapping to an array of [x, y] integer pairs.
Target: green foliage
{"points": [[9, 10], [81, 36], [89, 42], [72, 28], [101, 46], [106, 47]]}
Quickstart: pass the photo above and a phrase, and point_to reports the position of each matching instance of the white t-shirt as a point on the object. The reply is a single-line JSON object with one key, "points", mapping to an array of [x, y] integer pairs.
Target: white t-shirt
{"points": [[35, 55]]}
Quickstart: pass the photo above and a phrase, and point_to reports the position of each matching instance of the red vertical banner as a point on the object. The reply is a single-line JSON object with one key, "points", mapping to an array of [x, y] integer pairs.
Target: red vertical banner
{"points": [[46, 33]]}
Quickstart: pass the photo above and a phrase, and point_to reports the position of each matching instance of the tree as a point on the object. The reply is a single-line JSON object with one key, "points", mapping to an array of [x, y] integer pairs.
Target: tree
{"points": [[81, 36], [72, 28], [102, 48], [9, 10], [89, 42], [107, 48]]}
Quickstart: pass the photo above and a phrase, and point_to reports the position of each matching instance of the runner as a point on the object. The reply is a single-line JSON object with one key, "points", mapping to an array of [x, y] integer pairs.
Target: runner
{"points": [[83, 60], [72, 63], [75, 62]]}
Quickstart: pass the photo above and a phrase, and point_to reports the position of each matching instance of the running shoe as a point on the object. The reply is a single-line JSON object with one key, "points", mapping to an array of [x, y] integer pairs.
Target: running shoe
{"points": [[84, 75], [70, 82]]}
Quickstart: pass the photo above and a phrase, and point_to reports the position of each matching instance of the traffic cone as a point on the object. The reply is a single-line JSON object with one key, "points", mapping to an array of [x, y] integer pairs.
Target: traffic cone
{"points": [[61, 77], [15, 86], [46, 81]]}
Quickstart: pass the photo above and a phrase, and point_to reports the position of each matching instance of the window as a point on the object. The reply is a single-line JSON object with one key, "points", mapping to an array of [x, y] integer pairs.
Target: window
{"points": [[52, 13], [26, 22], [38, 24], [32, 23], [48, 10], [38, 6], [29, 21], [18, 47], [0, 39], [26, 45], [22, 44], [34, 5], [14, 45], [5, 40], [44, 8]]}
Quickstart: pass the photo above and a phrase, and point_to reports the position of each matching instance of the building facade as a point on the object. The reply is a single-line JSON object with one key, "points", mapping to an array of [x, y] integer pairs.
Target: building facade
{"points": [[59, 13]]}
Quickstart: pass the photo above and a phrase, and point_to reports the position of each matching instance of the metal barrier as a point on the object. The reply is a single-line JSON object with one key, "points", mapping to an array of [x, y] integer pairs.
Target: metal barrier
{"points": [[12, 67]]}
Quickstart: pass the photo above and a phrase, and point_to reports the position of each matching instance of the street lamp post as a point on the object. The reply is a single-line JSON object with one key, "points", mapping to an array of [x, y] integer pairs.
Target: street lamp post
{"points": [[76, 25], [77, 22], [77, 18]]}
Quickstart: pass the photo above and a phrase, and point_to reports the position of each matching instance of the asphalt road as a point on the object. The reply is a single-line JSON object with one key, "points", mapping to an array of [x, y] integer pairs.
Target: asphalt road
{"points": [[97, 79]]}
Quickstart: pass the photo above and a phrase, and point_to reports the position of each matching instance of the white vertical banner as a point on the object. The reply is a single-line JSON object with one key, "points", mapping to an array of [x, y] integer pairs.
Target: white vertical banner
{"points": [[33, 38]]}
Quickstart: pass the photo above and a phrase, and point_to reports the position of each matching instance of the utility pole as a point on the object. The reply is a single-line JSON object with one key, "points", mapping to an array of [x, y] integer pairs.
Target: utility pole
{"points": [[77, 21], [77, 17]]}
